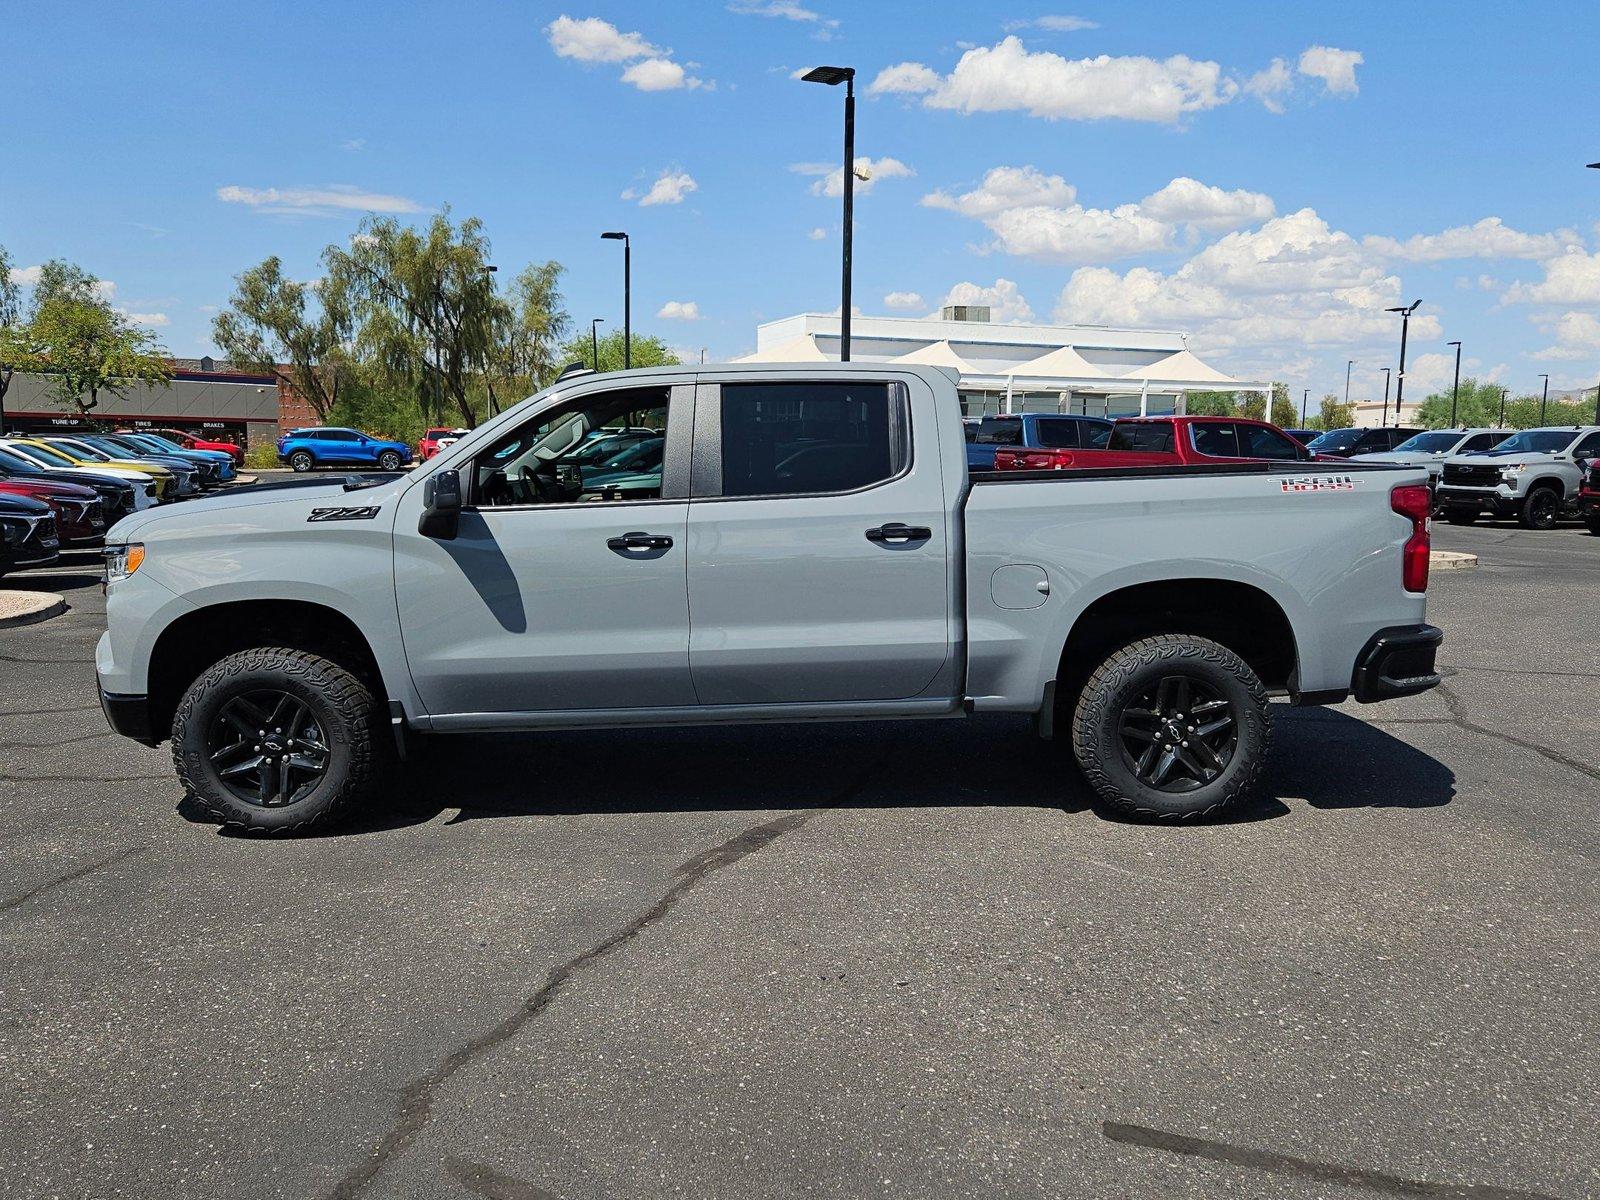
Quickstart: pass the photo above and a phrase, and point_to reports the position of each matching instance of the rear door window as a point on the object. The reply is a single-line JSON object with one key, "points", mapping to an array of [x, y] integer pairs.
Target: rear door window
{"points": [[789, 439], [1058, 433], [1257, 441], [1000, 431], [1215, 439], [1155, 438]]}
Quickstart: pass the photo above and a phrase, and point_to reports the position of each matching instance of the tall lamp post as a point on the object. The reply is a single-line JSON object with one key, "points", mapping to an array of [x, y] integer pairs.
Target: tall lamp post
{"points": [[1595, 166], [833, 76], [1305, 398], [1544, 397], [1347, 367], [1387, 375], [1504, 392], [627, 296], [1455, 388], [1400, 380], [594, 339]]}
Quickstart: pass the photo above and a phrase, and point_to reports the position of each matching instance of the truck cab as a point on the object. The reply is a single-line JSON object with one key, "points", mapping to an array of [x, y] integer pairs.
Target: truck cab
{"points": [[789, 543]]}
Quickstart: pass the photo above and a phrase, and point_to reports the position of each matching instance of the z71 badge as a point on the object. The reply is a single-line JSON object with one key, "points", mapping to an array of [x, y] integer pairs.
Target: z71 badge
{"points": [[344, 514], [1318, 483]]}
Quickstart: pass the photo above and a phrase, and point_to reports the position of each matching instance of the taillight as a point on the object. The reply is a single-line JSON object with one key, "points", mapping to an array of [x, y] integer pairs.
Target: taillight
{"points": [[1413, 500]]}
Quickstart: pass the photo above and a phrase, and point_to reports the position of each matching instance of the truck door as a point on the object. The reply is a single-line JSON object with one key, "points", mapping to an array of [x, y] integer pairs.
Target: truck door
{"points": [[818, 547], [565, 588]]}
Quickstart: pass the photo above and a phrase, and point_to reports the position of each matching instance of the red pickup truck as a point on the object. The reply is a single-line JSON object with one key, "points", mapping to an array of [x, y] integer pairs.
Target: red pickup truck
{"points": [[1168, 441]]}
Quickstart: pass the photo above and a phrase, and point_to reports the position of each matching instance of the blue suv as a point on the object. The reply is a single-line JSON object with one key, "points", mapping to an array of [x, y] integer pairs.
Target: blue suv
{"points": [[304, 449]]}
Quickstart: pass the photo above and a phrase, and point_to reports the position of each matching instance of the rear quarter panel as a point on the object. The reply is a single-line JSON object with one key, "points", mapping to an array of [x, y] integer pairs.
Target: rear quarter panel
{"points": [[1329, 558]]}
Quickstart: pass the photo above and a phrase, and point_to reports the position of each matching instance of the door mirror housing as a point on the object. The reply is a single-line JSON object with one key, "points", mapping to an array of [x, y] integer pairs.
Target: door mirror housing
{"points": [[441, 506]]}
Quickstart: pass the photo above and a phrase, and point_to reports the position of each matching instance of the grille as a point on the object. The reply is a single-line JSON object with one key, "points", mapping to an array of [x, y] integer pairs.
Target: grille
{"points": [[1473, 476]]}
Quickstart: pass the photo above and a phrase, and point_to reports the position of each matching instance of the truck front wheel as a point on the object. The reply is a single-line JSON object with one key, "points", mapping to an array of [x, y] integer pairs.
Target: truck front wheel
{"points": [[1540, 508], [275, 740], [1171, 727]]}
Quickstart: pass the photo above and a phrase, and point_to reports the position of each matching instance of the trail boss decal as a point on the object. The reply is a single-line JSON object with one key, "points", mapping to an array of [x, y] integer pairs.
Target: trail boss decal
{"points": [[344, 514], [1317, 483]]}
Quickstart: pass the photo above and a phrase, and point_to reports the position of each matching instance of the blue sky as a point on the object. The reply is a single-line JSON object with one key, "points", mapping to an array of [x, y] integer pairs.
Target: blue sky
{"points": [[1267, 177]]}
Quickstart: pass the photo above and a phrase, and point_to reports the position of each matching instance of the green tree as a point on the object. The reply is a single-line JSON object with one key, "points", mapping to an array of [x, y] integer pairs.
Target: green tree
{"points": [[293, 331], [1333, 414], [13, 347], [425, 310], [535, 322], [647, 351], [1477, 405], [1284, 414], [83, 344], [1210, 404]]}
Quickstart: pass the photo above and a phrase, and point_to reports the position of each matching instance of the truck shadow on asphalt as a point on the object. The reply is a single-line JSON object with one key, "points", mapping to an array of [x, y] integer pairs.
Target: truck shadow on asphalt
{"points": [[1322, 759]]}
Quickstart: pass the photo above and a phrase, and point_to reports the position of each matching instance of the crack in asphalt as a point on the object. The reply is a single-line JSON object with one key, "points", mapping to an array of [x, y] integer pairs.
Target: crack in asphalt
{"points": [[1288, 1164], [1454, 704], [69, 877], [491, 1184], [416, 1101]]}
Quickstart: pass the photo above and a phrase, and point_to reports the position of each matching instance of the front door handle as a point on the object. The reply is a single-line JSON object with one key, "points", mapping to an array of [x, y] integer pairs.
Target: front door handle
{"points": [[640, 541], [897, 534]]}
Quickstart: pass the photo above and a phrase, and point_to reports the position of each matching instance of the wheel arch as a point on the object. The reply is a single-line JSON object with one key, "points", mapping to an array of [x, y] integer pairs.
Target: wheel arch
{"points": [[198, 638]]}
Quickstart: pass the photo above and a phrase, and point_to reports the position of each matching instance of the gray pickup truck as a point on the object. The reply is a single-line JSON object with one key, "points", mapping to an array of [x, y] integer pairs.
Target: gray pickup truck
{"points": [[794, 543], [1534, 476]]}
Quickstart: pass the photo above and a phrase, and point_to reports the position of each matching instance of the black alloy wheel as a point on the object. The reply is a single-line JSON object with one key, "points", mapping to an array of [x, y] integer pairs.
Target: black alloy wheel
{"points": [[1179, 735], [267, 748], [1541, 508]]}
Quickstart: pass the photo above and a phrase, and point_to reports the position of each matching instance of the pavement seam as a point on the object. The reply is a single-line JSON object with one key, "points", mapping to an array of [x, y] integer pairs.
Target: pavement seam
{"points": [[1453, 703], [416, 1103], [69, 877]]}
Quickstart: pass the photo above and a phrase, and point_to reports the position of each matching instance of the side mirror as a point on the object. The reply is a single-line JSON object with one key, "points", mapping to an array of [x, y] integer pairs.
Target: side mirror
{"points": [[441, 506]]}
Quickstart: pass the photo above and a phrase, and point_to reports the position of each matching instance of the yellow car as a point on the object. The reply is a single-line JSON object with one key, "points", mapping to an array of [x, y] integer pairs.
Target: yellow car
{"points": [[55, 455]]}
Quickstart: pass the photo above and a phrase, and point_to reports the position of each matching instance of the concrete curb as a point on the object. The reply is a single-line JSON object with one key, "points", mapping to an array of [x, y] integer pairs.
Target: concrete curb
{"points": [[25, 608], [1451, 560]]}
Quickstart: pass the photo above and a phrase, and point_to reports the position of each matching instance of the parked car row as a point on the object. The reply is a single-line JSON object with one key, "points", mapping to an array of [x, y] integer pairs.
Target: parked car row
{"points": [[64, 491]]}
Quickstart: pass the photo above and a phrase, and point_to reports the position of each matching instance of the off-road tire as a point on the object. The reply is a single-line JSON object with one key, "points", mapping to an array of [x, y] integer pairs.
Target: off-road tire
{"points": [[1532, 513], [1593, 522], [301, 461], [1130, 670], [359, 744], [1460, 518]]}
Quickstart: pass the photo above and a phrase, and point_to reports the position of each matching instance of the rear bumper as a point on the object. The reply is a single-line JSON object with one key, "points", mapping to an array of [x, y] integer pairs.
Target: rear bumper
{"points": [[1397, 661], [129, 716]]}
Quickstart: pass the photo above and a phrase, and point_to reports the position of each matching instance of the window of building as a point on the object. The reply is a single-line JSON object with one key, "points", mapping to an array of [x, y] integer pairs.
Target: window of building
{"points": [[785, 439]]}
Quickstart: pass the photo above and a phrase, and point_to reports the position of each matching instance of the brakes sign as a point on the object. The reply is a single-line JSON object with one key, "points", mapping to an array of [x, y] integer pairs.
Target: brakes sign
{"points": [[1317, 483]]}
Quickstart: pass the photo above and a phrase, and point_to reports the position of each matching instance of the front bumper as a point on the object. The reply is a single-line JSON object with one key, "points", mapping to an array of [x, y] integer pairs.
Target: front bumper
{"points": [[129, 716], [1397, 661], [1501, 501]]}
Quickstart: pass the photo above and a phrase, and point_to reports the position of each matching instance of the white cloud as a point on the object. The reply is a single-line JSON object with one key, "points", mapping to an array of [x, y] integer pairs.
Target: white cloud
{"points": [[1187, 201], [1077, 234], [659, 75], [1270, 85], [679, 310], [670, 187], [817, 234], [1577, 336], [324, 201], [153, 320], [868, 171], [907, 78], [353, 144], [591, 40], [1007, 77], [1488, 238], [1005, 302], [1428, 372], [1054, 24], [1336, 68], [596, 41], [1003, 188], [784, 9], [1570, 278], [26, 276], [901, 300]]}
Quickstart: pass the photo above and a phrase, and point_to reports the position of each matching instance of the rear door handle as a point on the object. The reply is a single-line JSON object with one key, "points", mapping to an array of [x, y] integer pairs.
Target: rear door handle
{"points": [[640, 541], [897, 534]]}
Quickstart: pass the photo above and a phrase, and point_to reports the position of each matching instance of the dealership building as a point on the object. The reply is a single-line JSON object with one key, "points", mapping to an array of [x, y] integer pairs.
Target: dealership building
{"points": [[1007, 368], [208, 398]]}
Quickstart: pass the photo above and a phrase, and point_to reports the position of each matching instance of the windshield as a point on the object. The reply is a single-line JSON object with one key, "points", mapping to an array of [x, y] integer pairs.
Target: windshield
{"points": [[1335, 440], [150, 439], [1430, 443], [15, 462], [1535, 441], [49, 454]]}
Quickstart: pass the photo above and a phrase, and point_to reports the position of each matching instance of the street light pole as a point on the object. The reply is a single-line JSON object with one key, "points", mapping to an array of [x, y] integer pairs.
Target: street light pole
{"points": [[1347, 367], [1455, 388], [594, 340], [1544, 397], [1305, 398], [1388, 373], [847, 76], [627, 296], [1400, 382], [1503, 392]]}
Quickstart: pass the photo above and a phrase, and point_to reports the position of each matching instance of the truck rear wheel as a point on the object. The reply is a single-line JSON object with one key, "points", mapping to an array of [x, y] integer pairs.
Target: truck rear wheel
{"points": [[1172, 727], [275, 740]]}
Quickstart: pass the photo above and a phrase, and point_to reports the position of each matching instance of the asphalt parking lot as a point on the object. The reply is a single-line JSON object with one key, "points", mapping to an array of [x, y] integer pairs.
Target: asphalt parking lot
{"points": [[887, 960]]}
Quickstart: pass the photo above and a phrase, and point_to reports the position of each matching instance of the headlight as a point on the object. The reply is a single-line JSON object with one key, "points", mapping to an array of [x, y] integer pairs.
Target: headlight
{"points": [[122, 561], [12, 532], [1509, 473]]}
